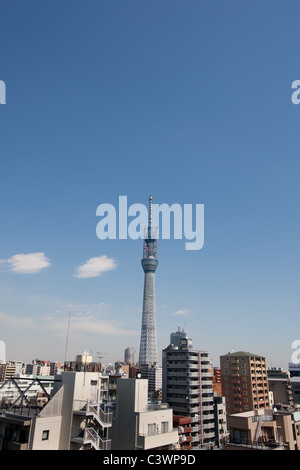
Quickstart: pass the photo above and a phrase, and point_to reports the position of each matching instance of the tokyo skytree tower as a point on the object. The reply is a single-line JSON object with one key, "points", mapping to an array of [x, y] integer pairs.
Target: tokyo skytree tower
{"points": [[148, 344]]}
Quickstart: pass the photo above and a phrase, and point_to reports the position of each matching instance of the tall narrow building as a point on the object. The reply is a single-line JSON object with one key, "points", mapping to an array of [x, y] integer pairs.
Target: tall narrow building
{"points": [[244, 382], [148, 345], [187, 387]]}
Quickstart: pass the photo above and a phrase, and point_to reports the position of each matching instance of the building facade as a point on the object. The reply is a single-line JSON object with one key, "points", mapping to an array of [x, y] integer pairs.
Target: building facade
{"points": [[244, 381], [187, 388], [280, 386], [221, 430], [137, 425]]}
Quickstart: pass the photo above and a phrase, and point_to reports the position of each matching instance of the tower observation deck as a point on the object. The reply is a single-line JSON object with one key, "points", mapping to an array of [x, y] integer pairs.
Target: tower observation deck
{"points": [[148, 343]]}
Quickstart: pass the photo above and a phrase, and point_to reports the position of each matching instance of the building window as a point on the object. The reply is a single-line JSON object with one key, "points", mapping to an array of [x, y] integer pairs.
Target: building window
{"points": [[45, 435], [240, 437], [151, 429], [165, 426]]}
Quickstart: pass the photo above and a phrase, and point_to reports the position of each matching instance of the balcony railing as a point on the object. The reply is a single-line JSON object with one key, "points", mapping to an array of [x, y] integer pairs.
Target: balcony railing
{"points": [[89, 436], [87, 408]]}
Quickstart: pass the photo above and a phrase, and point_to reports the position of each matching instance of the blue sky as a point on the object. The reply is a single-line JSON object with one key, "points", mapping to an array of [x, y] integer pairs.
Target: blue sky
{"points": [[188, 101]]}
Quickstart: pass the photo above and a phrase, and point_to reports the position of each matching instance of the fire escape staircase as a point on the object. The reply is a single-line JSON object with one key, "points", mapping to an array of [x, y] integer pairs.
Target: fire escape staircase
{"points": [[89, 435]]}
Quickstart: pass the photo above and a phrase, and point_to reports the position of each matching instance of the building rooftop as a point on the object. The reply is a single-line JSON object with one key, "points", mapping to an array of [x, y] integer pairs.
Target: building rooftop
{"points": [[251, 413], [241, 354]]}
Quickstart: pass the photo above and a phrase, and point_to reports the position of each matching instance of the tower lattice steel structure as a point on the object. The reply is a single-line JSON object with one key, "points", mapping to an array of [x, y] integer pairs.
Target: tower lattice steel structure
{"points": [[148, 344]]}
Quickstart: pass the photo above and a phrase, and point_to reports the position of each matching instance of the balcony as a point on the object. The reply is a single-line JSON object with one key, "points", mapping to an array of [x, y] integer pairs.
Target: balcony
{"points": [[209, 435], [87, 408], [185, 439], [208, 408], [176, 373], [192, 374], [206, 374], [184, 429], [151, 441], [208, 399], [12, 445]]}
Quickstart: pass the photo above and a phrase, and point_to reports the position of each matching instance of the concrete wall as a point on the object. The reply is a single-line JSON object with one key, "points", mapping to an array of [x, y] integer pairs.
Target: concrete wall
{"points": [[157, 417], [51, 425]]}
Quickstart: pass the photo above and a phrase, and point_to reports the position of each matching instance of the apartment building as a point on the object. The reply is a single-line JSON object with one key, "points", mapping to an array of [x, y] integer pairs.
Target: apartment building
{"points": [[138, 425], [7, 370], [221, 430], [187, 387], [294, 371], [244, 381], [280, 387]]}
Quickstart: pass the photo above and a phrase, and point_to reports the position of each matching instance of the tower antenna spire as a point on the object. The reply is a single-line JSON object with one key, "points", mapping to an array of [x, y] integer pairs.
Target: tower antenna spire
{"points": [[150, 216], [148, 343]]}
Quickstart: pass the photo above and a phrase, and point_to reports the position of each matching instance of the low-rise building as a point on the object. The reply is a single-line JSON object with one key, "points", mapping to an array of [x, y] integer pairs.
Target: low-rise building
{"points": [[138, 425], [74, 418], [264, 429]]}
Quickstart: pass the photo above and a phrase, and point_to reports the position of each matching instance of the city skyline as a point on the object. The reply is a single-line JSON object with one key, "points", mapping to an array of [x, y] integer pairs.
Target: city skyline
{"points": [[190, 103]]}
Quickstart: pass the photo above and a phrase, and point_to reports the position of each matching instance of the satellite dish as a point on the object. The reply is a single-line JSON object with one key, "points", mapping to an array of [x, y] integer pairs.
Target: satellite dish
{"points": [[274, 409], [139, 376]]}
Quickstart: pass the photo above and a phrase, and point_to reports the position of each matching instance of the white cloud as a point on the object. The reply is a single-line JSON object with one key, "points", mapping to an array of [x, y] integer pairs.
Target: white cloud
{"points": [[182, 311], [95, 267], [27, 263]]}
